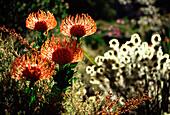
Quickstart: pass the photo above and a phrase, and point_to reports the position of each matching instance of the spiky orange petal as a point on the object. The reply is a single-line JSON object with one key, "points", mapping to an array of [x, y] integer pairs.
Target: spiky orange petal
{"points": [[31, 69], [62, 50], [41, 21], [79, 26]]}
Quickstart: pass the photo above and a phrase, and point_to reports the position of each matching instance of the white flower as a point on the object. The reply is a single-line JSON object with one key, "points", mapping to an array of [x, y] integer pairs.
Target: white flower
{"points": [[156, 38], [135, 39], [114, 43]]}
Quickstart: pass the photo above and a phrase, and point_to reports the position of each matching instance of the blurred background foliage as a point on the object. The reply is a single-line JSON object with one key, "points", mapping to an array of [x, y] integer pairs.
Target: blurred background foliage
{"points": [[102, 9], [14, 13]]}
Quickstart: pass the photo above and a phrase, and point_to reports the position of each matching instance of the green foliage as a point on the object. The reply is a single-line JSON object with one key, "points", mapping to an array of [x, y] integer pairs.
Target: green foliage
{"points": [[7, 54], [66, 71], [76, 104], [16, 12]]}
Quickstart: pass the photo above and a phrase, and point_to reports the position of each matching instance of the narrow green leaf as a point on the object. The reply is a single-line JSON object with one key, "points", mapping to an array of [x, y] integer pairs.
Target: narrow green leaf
{"points": [[66, 77], [29, 91], [74, 72], [50, 85], [68, 71], [58, 88], [32, 99], [75, 79], [26, 89], [67, 88], [73, 65], [91, 59]]}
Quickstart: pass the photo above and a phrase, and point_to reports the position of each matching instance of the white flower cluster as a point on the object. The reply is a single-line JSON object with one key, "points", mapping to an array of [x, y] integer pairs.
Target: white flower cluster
{"points": [[146, 2], [132, 67], [154, 22], [150, 10], [143, 2], [124, 2]]}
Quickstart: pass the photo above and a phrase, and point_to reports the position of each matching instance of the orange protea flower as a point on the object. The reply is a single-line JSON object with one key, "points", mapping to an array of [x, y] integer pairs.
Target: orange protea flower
{"points": [[41, 21], [62, 50], [79, 26], [32, 69]]}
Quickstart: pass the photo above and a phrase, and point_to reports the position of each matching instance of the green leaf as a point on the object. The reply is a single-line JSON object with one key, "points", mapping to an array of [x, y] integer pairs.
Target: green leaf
{"points": [[40, 40], [91, 59], [32, 99], [50, 85], [58, 88], [26, 89], [57, 69], [74, 72], [34, 46], [66, 77], [45, 38], [73, 65], [75, 79], [67, 88], [39, 47], [68, 71], [29, 91]]}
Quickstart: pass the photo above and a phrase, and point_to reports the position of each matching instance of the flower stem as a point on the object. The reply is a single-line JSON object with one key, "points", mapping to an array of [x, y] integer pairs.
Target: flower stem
{"points": [[90, 58], [41, 40], [78, 40], [31, 90]]}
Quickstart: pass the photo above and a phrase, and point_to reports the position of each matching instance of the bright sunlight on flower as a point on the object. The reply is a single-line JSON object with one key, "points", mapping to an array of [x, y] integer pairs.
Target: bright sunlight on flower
{"points": [[31, 68], [41, 21], [79, 26], [62, 50]]}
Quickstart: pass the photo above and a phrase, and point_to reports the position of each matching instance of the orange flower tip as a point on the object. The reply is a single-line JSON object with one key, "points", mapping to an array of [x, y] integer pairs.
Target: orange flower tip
{"points": [[41, 21]]}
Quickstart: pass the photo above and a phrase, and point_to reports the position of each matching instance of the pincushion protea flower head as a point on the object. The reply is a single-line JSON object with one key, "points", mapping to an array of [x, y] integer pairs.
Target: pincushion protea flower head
{"points": [[41, 21], [31, 69], [79, 26], [62, 50]]}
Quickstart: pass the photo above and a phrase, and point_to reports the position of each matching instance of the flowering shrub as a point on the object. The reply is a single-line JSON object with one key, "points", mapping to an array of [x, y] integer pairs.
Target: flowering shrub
{"points": [[134, 67], [41, 80], [153, 19]]}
